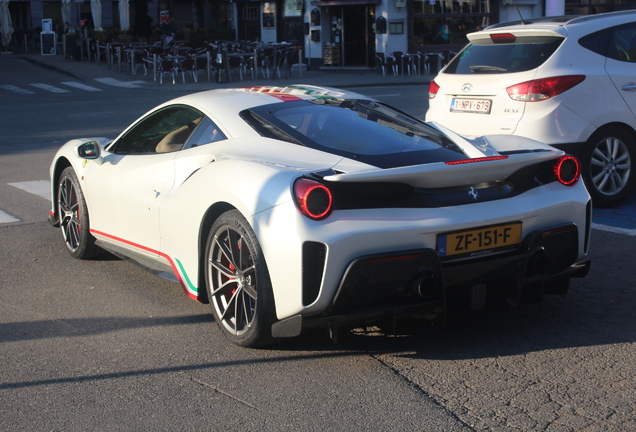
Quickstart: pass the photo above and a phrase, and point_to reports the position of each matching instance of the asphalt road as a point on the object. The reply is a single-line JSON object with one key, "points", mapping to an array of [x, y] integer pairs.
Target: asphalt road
{"points": [[103, 345]]}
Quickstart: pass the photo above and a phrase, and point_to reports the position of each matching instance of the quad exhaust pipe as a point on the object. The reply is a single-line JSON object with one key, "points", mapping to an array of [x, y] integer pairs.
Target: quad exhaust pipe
{"points": [[424, 285], [538, 264]]}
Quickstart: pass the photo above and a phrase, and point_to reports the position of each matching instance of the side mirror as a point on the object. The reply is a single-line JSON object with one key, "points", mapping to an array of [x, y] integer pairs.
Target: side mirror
{"points": [[89, 150]]}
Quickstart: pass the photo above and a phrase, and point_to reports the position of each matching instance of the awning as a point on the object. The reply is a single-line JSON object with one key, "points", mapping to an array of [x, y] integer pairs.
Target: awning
{"points": [[345, 2]]}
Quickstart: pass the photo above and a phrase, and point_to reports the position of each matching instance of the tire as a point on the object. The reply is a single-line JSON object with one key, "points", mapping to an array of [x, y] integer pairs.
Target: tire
{"points": [[238, 282], [73, 216], [608, 166]]}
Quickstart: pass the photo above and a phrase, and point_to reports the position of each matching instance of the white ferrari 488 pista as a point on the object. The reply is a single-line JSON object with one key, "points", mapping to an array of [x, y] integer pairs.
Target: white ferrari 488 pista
{"points": [[295, 207]]}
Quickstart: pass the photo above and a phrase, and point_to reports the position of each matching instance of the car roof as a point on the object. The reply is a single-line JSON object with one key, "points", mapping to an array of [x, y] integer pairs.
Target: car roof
{"points": [[563, 26], [224, 105], [566, 20], [239, 99]]}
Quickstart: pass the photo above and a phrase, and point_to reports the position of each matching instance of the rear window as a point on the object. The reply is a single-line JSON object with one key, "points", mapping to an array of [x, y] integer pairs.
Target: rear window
{"points": [[360, 129], [486, 57]]}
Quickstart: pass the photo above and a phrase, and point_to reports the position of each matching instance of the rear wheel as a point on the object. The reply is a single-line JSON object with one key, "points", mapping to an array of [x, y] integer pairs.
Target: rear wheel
{"points": [[73, 216], [608, 166], [238, 283]]}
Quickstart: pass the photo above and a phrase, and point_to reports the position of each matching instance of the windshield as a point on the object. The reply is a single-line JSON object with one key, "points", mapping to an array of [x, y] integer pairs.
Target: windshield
{"points": [[485, 57], [365, 130]]}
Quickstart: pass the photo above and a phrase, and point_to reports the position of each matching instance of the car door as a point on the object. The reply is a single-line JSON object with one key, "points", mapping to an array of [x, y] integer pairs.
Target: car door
{"points": [[621, 63], [135, 175], [198, 152]]}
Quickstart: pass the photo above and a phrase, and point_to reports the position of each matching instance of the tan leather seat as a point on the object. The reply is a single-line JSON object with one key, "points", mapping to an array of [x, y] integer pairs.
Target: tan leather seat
{"points": [[176, 139], [173, 141]]}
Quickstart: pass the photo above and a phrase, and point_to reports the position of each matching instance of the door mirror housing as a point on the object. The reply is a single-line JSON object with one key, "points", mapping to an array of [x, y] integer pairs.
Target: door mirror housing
{"points": [[89, 150]]}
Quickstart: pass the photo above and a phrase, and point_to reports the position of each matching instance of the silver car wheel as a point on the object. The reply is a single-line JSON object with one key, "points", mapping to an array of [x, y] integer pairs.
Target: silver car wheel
{"points": [[73, 217], [233, 280], [69, 207], [610, 166]]}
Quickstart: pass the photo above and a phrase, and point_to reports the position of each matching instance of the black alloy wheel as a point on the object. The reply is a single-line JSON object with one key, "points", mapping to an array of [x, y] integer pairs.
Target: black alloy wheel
{"points": [[73, 217]]}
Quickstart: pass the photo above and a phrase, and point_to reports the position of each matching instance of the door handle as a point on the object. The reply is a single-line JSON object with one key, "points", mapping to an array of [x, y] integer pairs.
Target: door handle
{"points": [[629, 87]]}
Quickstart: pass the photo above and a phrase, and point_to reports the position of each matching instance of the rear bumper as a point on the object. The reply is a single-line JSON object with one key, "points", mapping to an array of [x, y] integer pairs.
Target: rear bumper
{"points": [[419, 282]]}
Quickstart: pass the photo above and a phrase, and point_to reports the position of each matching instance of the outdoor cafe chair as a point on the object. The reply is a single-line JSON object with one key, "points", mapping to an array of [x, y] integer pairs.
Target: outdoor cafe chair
{"points": [[386, 61]]}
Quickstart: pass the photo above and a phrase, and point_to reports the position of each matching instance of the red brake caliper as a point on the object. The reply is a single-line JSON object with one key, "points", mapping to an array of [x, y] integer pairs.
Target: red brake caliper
{"points": [[238, 246], [232, 268]]}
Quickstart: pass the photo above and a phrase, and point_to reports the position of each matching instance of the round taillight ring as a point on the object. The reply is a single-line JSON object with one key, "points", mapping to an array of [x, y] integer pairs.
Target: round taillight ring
{"points": [[312, 198], [567, 170]]}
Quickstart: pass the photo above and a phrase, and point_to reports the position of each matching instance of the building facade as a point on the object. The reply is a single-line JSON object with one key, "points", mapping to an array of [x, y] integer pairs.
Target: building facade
{"points": [[348, 33], [331, 33]]}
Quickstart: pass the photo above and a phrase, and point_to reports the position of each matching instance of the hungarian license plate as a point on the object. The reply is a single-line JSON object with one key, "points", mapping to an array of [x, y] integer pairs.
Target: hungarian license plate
{"points": [[479, 241], [480, 106]]}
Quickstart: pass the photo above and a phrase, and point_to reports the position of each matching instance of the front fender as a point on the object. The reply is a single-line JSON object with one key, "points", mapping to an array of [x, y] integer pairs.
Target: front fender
{"points": [[66, 156]]}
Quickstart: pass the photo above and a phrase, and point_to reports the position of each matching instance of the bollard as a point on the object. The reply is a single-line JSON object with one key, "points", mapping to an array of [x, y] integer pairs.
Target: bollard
{"points": [[154, 66], [208, 63], [300, 63]]}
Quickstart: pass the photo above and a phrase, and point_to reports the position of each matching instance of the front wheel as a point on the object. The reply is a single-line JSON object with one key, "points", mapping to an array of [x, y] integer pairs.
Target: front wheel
{"points": [[73, 216], [607, 166], [238, 282]]}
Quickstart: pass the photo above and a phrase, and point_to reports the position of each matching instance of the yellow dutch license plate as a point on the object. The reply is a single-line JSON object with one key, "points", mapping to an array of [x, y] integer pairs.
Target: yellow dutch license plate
{"points": [[479, 241]]}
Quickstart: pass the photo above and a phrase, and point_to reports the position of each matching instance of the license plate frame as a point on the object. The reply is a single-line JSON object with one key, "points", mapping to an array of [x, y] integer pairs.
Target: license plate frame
{"points": [[479, 241], [471, 105]]}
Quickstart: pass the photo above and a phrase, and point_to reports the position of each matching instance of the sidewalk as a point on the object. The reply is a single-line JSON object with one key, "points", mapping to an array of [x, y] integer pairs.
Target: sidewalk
{"points": [[88, 72]]}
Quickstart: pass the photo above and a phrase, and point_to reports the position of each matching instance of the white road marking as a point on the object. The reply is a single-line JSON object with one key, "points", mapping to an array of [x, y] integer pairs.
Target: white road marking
{"points": [[617, 230], [41, 188], [81, 86], [49, 88], [15, 89], [6, 218], [91, 114], [116, 83]]}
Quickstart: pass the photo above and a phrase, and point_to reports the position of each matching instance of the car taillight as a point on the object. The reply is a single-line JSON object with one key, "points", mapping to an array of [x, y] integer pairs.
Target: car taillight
{"points": [[567, 170], [544, 88], [503, 38], [313, 199], [433, 88]]}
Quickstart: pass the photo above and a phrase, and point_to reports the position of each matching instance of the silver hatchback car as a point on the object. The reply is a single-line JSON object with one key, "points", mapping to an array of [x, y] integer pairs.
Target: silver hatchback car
{"points": [[566, 81]]}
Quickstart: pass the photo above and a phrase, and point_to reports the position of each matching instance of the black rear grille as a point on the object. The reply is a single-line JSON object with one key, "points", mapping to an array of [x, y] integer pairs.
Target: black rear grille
{"points": [[314, 255], [367, 195], [387, 280]]}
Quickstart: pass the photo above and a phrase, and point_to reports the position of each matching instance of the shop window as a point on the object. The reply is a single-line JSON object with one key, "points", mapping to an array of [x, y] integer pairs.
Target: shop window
{"points": [[269, 13], [250, 11], [396, 27], [293, 9], [450, 6], [591, 7]]}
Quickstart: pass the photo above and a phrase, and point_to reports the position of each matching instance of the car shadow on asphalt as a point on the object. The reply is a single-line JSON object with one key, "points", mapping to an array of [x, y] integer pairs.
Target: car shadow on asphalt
{"points": [[555, 323]]}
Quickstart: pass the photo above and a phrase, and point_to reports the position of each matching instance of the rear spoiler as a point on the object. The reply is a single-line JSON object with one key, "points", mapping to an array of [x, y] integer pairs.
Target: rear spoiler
{"points": [[451, 174]]}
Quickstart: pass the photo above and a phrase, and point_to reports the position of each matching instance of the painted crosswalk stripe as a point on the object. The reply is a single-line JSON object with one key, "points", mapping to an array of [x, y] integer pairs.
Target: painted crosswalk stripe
{"points": [[617, 230], [116, 83], [81, 86], [6, 218], [15, 89], [41, 188], [50, 88]]}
